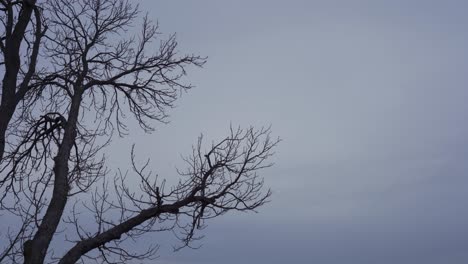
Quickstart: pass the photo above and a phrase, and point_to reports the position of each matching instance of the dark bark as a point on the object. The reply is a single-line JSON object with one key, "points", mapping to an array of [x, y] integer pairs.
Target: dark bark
{"points": [[51, 220], [84, 246], [14, 36], [6, 113]]}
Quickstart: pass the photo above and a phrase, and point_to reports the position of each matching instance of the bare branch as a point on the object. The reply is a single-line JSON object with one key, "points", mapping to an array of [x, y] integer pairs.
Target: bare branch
{"points": [[83, 73]]}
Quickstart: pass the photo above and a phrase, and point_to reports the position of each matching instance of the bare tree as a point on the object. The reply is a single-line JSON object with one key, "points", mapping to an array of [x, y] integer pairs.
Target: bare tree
{"points": [[21, 24], [95, 72]]}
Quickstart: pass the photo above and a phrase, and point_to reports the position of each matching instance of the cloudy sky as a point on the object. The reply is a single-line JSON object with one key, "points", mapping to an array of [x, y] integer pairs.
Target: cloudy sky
{"points": [[369, 98]]}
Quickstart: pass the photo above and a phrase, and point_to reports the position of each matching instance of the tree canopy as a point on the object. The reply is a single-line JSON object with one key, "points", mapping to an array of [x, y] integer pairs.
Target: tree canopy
{"points": [[74, 73]]}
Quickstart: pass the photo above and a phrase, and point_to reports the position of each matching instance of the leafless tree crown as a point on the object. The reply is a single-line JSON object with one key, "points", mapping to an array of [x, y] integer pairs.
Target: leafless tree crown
{"points": [[75, 72]]}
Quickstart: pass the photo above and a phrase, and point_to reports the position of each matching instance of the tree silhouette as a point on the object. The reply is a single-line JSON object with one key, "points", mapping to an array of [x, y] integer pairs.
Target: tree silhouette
{"points": [[22, 24], [84, 76]]}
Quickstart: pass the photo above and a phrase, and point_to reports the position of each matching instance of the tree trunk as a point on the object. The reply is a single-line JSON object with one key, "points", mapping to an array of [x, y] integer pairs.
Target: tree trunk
{"points": [[12, 66], [6, 113], [41, 241]]}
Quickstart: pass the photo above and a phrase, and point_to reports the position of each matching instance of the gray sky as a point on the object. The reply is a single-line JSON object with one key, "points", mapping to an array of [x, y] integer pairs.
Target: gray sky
{"points": [[369, 99]]}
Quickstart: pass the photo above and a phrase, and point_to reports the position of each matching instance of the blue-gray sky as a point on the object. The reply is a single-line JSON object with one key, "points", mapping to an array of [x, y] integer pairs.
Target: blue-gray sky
{"points": [[369, 98]]}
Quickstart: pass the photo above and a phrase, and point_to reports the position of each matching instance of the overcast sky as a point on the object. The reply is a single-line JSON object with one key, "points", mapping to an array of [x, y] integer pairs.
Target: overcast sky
{"points": [[369, 98]]}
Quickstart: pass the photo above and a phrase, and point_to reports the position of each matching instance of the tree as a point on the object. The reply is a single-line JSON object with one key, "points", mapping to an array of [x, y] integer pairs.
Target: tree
{"points": [[17, 29], [93, 76]]}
